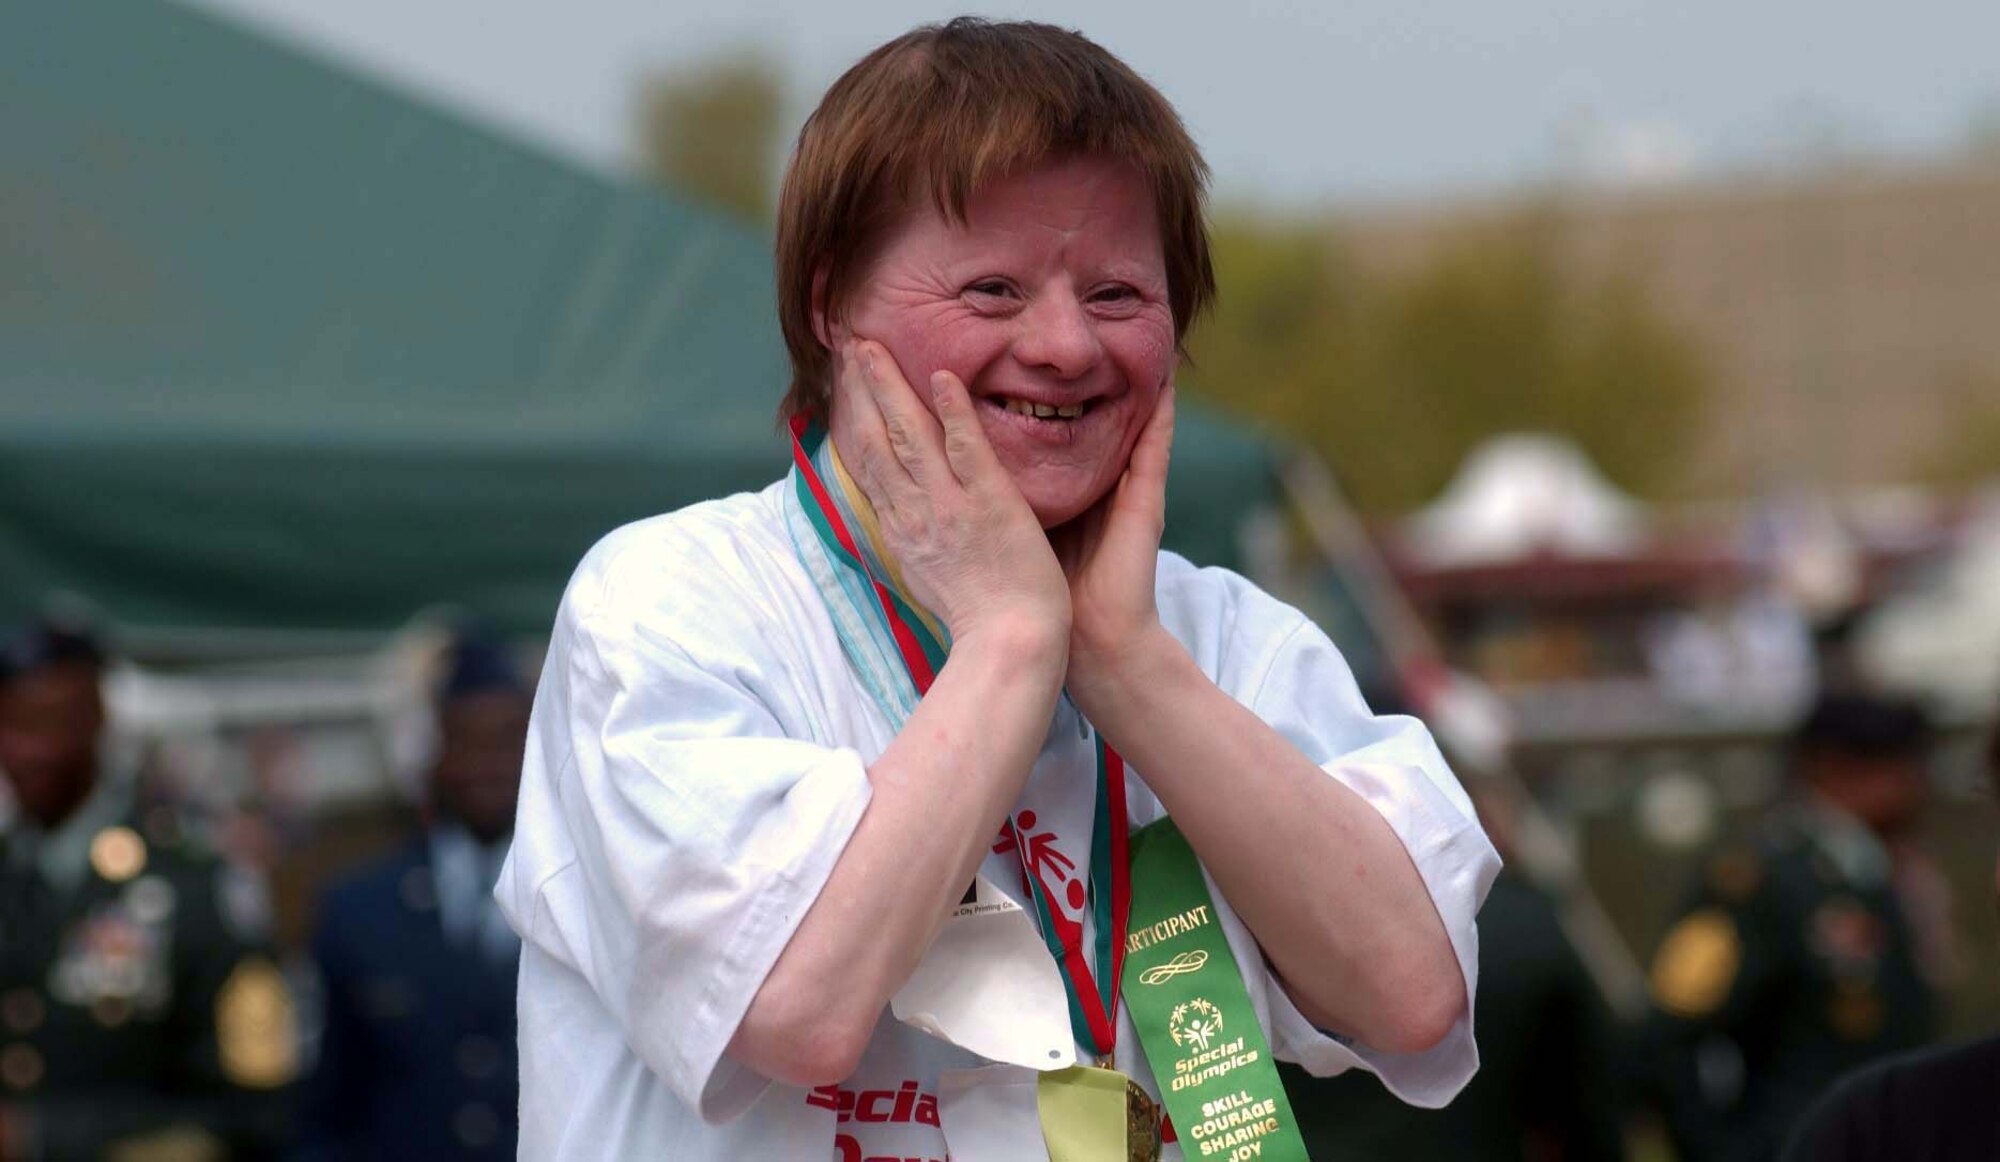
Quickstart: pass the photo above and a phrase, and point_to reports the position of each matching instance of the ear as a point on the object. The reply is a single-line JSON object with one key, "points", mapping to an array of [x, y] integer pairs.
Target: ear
{"points": [[823, 328]]}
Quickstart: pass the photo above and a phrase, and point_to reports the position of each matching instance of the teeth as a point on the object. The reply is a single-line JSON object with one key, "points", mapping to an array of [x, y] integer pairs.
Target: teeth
{"points": [[1043, 411]]}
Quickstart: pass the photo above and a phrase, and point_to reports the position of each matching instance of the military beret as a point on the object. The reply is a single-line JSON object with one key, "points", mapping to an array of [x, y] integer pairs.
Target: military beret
{"points": [[42, 643], [1870, 725], [479, 663]]}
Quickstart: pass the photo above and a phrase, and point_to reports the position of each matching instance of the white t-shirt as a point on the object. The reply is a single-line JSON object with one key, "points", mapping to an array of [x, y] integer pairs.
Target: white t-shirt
{"points": [[696, 763]]}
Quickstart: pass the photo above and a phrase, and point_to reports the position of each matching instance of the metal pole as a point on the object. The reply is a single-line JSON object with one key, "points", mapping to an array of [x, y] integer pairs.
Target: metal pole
{"points": [[1541, 848]]}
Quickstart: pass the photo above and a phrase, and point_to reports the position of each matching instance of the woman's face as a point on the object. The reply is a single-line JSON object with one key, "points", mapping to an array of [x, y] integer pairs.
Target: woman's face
{"points": [[1050, 304]]}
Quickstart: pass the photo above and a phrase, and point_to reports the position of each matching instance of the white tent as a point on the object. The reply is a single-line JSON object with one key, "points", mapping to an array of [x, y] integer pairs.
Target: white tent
{"points": [[1943, 637], [1523, 494]]}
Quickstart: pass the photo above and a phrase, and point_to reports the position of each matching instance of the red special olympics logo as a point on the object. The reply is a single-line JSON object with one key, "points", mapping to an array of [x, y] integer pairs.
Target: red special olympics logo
{"points": [[1043, 858]]}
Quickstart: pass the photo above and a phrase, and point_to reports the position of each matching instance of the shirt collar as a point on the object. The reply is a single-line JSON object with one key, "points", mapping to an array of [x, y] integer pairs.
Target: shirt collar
{"points": [[1855, 851], [61, 854], [464, 871]]}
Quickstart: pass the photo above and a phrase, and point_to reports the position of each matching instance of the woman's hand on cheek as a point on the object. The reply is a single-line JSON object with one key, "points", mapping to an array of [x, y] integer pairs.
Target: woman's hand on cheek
{"points": [[968, 545], [1110, 554]]}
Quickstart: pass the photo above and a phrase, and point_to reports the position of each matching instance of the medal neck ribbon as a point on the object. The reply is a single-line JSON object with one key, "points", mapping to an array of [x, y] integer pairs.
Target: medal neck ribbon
{"points": [[836, 509]]}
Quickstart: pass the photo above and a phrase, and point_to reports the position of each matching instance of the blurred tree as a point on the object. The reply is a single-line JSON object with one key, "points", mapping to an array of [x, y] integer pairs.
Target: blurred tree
{"points": [[1395, 379], [1982, 130], [1968, 452], [1281, 343], [711, 131]]}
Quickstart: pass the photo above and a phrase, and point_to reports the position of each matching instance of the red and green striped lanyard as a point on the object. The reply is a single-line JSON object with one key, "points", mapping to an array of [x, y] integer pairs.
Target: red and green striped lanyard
{"points": [[1093, 999]]}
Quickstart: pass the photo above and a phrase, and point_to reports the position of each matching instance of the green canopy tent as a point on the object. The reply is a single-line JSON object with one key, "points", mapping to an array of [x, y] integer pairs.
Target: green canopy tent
{"points": [[287, 350]]}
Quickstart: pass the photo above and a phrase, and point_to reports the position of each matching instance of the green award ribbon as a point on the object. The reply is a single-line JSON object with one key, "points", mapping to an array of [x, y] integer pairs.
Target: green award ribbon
{"points": [[1194, 1017]]}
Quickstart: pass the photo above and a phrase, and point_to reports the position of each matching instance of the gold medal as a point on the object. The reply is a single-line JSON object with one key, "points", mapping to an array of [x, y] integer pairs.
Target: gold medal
{"points": [[1142, 1124]]}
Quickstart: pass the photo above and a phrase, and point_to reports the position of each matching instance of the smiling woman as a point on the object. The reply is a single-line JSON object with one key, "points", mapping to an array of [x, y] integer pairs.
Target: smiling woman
{"points": [[1049, 303], [919, 805]]}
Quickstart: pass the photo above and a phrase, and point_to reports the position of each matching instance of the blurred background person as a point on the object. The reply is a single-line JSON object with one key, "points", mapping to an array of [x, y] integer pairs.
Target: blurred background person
{"points": [[417, 966], [137, 1019], [1934, 1106], [1546, 1090], [1796, 961]]}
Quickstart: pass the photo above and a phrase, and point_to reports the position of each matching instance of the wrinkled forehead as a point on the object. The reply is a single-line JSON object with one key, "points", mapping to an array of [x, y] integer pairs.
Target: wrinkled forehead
{"points": [[1094, 194], [1098, 208]]}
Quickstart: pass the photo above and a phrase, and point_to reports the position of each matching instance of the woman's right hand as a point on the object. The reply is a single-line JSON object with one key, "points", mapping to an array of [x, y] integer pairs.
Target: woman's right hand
{"points": [[970, 551], [969, 547]]}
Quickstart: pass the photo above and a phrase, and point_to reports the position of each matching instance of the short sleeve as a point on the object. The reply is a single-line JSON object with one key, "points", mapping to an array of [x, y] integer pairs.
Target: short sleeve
{"points": [[1309, 696], [676, 823]]}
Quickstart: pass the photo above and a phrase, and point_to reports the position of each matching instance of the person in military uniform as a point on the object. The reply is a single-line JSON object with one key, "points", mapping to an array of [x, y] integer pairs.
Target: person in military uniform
{"points": [[417, 965], [1795, 962], [136, 1020], [1931, 1106]]}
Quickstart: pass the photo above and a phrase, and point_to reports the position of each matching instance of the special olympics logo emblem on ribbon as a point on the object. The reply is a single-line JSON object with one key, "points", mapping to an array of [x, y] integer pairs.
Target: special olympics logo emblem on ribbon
{"points": [[1184, 963], [1197, 1022]]}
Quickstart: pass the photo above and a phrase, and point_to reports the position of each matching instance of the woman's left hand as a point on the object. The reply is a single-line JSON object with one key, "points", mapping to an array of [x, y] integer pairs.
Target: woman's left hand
{"points": [[1109, 555]]}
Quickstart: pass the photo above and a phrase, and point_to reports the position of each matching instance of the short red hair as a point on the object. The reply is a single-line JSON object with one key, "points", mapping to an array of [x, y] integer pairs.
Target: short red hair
{"points": [[940, 111]]}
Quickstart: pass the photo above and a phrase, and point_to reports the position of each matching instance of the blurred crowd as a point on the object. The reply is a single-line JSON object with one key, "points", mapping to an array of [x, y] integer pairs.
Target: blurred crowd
{"points": [[149, 1008], [153, 1005]]}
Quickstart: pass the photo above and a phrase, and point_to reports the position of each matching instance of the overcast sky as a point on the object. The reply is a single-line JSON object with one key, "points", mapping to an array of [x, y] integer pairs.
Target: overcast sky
{"points": [[1293, 102]]}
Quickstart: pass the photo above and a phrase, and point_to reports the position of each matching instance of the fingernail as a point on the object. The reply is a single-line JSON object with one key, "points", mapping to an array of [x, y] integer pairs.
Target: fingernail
{"points": [[868, 363]]}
